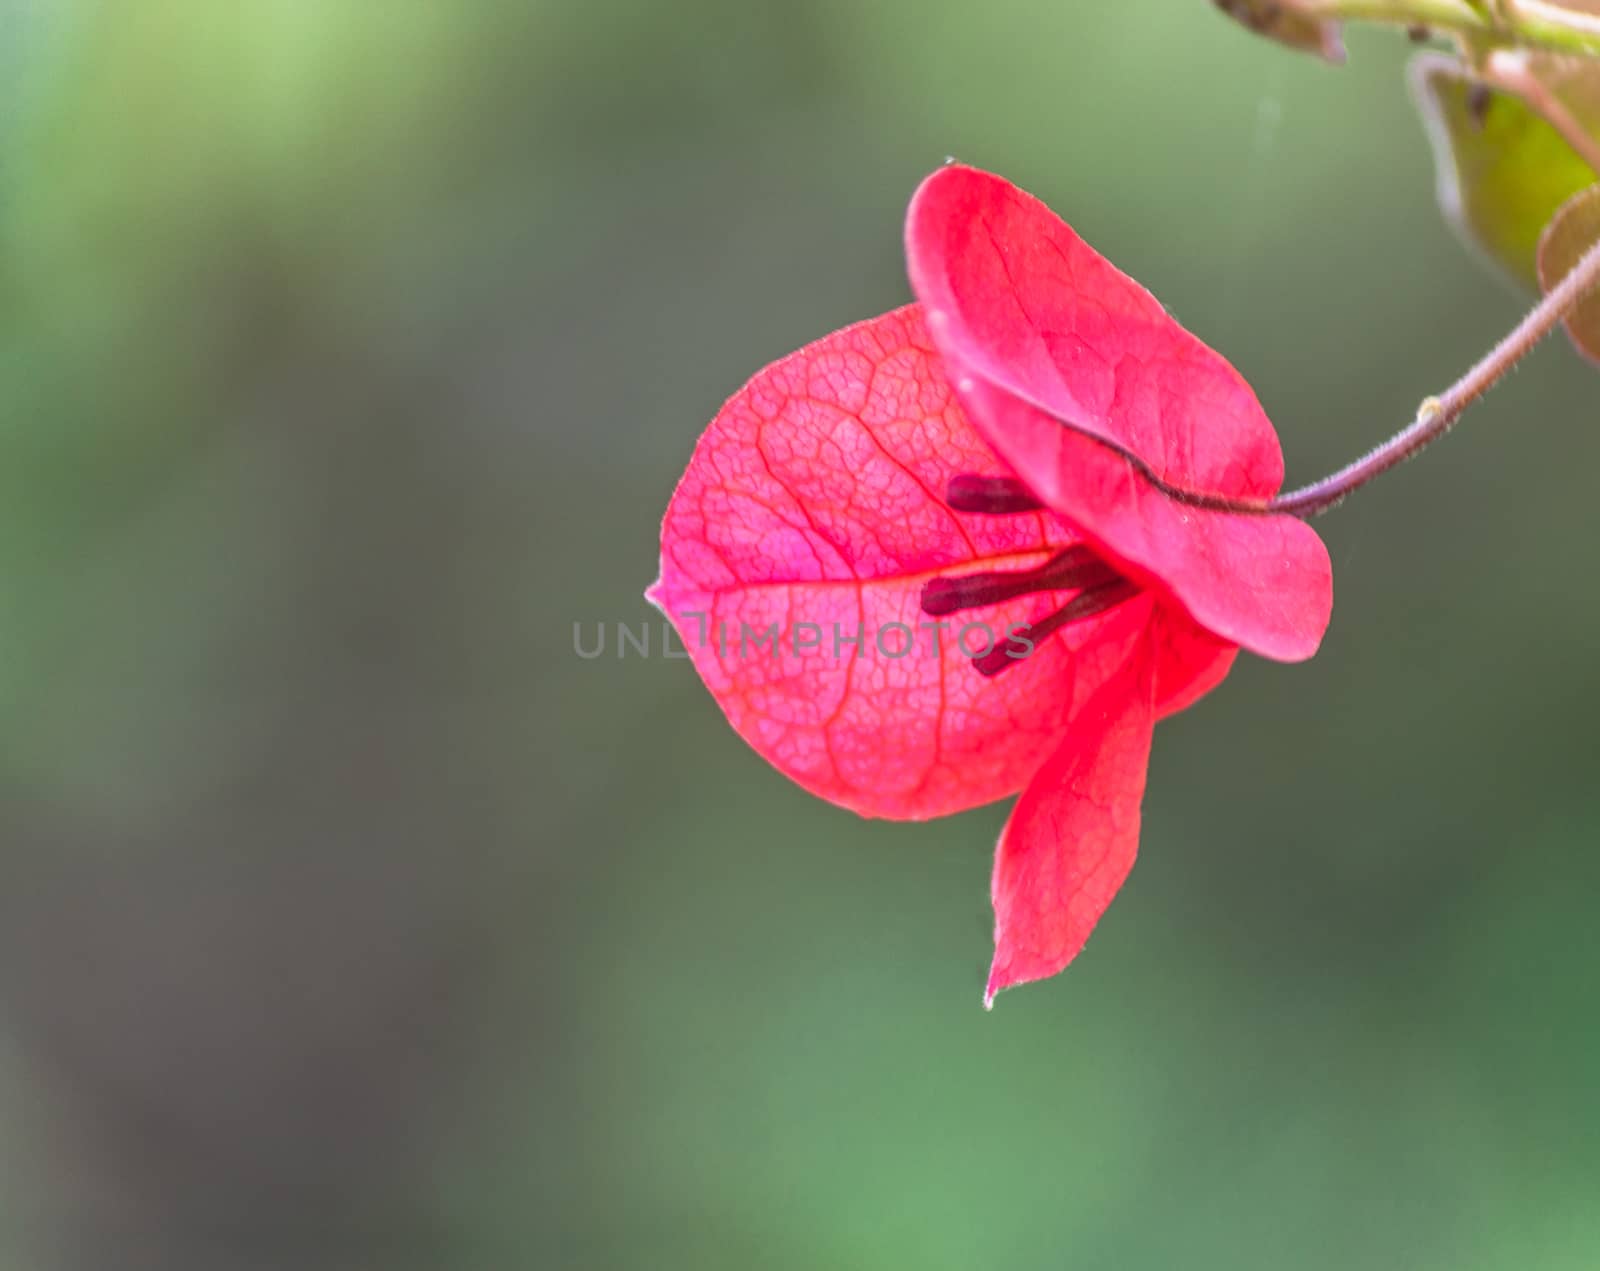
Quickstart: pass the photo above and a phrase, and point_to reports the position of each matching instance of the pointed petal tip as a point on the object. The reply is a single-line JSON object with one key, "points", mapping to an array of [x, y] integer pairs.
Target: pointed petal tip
{"points": [[1004, 979], [653, 594], [1000, 979]]}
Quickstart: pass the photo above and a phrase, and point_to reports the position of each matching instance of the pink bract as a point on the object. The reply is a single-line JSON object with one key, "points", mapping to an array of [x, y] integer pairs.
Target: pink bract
{"points": [[797, 546]]}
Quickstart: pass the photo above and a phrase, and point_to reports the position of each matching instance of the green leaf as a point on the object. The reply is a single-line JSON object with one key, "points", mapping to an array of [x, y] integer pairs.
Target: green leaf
{"points": [[1502, 170], [1271, 19], [1572, 231]]}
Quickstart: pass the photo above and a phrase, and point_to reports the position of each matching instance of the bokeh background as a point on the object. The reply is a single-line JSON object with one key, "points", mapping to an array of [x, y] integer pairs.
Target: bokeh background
{"points": [[348, 355]]}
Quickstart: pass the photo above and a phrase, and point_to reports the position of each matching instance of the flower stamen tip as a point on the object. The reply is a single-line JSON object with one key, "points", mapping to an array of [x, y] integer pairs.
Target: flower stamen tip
{"points": [[991, 496]]}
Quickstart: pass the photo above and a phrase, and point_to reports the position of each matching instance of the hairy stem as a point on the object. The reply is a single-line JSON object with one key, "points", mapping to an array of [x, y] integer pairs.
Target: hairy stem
{"points": [[1439, 414]]}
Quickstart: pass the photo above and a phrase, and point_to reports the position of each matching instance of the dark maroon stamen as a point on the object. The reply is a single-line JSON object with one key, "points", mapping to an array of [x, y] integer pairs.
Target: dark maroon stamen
{"points": [[1075, 568], [996, 496], [1096, 600], [1071, 570]]}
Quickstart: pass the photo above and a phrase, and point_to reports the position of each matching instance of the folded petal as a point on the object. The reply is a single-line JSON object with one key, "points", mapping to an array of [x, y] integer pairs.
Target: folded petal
{"points": [[1078, 378], [1190, 661], [1073, 834], [1261, 581], [1017, 298], [793, 555]]}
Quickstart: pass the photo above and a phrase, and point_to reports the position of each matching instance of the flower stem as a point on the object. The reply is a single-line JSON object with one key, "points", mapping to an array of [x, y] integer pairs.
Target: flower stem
{"points": [[1439, 414], [1510, 23]]}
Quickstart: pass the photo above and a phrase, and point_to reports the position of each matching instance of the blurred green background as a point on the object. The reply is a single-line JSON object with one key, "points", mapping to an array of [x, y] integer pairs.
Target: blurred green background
{"points": [[348, 355]]}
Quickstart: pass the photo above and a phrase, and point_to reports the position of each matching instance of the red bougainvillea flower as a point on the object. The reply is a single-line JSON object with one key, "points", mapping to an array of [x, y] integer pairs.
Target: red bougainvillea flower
{"points": [[972, 547]]}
